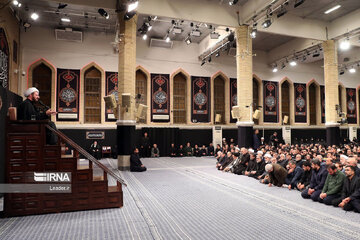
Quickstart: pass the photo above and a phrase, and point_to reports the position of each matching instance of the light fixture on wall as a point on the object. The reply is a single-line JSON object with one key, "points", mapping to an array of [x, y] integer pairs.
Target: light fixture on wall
{"points": [[103, 13]]}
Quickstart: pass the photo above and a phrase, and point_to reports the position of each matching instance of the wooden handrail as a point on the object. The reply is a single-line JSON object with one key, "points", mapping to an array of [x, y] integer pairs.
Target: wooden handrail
{"points": [[86, 154]]}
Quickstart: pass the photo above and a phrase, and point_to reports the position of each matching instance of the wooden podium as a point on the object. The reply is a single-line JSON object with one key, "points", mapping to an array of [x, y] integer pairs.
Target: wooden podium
{"points": [[27, 152]]}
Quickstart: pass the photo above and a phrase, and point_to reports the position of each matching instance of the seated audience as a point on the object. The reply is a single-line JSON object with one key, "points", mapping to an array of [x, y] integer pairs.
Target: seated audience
{"points": [[203, 151], [333, 185], [242, 164], [155, 152], [306, 176], [294, 175], [353, 162], [181, 151], [350, 194], [188, 150], [135, 162], [196, 151], [251, 167], [317, 182], [211, 150], [173, 150]]}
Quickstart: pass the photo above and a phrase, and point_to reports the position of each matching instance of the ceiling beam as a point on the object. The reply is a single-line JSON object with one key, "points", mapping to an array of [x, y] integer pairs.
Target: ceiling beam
{"points": [[110, 4], [345, 24]]}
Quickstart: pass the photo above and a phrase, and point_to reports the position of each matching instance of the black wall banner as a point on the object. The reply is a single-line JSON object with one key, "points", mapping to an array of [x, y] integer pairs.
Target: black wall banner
{"points": [[111, 87], [271, 102], [233, 97], [160, 98], [4, 60], [351, 105], [68, 94], [300, 102], [200, 92], [322, 96]]}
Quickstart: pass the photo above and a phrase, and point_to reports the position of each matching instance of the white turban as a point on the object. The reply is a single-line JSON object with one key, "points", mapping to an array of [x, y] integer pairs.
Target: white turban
{"points": [[267, 155], [29, 91], [268, 167], [251, 150], [344, 156]]}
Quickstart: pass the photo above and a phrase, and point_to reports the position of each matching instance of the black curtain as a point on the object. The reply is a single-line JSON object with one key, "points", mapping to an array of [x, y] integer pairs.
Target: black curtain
{"points": [[163, 137]]}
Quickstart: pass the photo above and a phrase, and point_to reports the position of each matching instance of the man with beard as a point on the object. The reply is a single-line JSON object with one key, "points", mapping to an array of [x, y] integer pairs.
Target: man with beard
{"points": [[135, 163], [240, 168], [28, 111], [251, 167], [294, 175], [306, 177], [350, 194], [277, 174], [333, 185], [317, 182]]}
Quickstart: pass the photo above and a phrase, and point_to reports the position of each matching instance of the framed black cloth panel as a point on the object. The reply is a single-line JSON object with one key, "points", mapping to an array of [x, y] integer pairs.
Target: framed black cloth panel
{"points": [[300, 102], [351, 105], [4, 60], [111, 87], [68, 94], [233, 97], [160, 97], [271, 101], [200, 105], [322, 96]]}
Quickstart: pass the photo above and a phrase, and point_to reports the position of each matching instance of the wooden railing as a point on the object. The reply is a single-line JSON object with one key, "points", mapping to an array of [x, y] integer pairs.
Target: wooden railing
{"points": [[67, 140]]}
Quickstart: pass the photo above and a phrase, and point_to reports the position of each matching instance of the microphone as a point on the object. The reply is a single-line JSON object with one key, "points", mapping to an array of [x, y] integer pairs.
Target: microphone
{"points": [[44, 105]]}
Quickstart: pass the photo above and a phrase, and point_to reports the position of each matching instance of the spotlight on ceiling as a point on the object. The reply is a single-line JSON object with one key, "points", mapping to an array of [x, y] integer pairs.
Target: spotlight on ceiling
{"points": [[342, 72], [293, 63], [275, 69], [144, 37], [298, 3], [209, 60], [188, 40], [231, 37], [233, 2], [316, 54], [267, 22], [16, 3], [203, 62], [283, 65], [217, 54], [103, 13], [253, 32], [352, 70], [132, 6], [129, 15], [281, 12], [167, 39], [34, 16], [345, 44], [332, 9], [62, 6], [214, 35], [65, 19]]}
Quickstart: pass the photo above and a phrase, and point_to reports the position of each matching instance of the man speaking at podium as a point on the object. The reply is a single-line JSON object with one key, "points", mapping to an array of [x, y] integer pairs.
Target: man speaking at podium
{"points": [[27, 111]]}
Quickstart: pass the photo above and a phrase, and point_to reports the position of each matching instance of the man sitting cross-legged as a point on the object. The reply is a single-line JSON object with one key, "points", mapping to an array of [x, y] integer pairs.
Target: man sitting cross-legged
{"points": [[333, 185], [318, 178], [350, 194]]}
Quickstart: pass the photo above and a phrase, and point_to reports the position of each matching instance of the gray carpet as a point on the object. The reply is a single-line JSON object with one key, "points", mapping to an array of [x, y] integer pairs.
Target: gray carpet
{"points": [[187, 198]]}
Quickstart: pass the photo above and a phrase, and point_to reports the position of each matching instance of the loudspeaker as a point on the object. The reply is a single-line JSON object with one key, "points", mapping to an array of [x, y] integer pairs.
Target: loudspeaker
{"points": [[141, 111], [256, 114], [217, 118], [235, 112], [125, 100], [286, 119], [110, 101]]}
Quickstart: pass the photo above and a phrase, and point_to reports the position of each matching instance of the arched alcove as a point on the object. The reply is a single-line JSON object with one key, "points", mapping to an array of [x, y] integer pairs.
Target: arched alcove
{"points": [[219, 98], [313, 89], [92, 95], [179, 98], [141, 88], [257, 96], [285, 100], [42, 80]]}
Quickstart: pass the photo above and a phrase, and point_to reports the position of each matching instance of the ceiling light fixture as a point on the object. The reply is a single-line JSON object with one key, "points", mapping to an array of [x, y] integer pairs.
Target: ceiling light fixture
{"points": [[16, 3], [233, 2], [103, 13], [316, 54], [352, 70], [217, 54], [281, 12], [253, 31], [267, 22], [132, 6], [203, 62], [283, 66], [214, 35], [62, 6], [65, 19], [129, 15], [209, 60], [332, 9], [144, 37], [293, 63], [345, 44], [34, 16], [342, 72], [275, 69], [188, 40], [167, 39], [298, 3]]}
